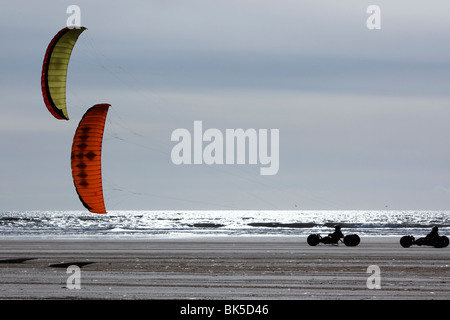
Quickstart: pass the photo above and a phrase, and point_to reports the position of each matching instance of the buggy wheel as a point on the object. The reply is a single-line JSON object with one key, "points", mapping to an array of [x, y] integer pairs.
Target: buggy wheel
{"points": [[445, 241], [406, 241], [442, 242], [352, 240], [313, 240]]}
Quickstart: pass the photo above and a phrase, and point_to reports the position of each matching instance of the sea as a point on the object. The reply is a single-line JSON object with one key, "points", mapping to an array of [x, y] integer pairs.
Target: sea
{"points": [[141, 224]]}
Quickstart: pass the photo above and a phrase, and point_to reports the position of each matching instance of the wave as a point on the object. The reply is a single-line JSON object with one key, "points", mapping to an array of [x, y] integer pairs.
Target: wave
{"points": [[346, 225], [282, 225], [206, 225], [8, 220]]}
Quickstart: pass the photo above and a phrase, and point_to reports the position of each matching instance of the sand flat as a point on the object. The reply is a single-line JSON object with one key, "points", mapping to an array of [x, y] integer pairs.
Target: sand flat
{"points": [[275, 268]]}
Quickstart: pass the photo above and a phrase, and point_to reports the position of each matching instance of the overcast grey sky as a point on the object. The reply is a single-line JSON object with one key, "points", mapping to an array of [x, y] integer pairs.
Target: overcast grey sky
{"points": [[363, 114]]}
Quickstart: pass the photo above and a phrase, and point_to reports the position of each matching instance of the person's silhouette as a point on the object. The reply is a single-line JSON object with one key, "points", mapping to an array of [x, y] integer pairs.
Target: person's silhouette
{"points": [[430, 238], [336, 235]]}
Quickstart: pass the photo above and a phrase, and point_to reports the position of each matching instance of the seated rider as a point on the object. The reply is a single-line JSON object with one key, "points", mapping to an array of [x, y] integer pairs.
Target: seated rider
{"points": [[433, 235], [336, 235], [430, 238]]}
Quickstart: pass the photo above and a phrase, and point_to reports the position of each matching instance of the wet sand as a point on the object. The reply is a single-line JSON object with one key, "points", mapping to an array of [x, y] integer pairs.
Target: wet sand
{"points": [[236, 268]]}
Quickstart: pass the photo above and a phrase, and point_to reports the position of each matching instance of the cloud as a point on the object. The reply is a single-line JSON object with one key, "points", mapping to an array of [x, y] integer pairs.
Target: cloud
{"points": [[441, 189]]}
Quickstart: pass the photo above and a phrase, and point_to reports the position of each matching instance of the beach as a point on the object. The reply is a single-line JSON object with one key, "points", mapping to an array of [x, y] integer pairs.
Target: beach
{"points": [[212, 268]]}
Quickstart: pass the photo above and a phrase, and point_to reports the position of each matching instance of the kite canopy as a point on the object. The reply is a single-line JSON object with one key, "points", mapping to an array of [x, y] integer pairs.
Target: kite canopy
{"points": [[86, 158], [54, 71]]}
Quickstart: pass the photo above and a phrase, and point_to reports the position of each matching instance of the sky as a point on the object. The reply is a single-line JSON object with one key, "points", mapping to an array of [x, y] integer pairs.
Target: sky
{"points": [[362, 113]]}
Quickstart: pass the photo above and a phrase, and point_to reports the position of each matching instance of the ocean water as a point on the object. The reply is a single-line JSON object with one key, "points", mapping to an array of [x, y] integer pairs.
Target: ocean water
{"points": [[173, 224]]}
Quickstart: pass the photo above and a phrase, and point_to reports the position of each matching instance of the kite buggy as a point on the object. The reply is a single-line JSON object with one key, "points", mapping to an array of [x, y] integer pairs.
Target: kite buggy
{"points": [[432, 239], [350, 240]]}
